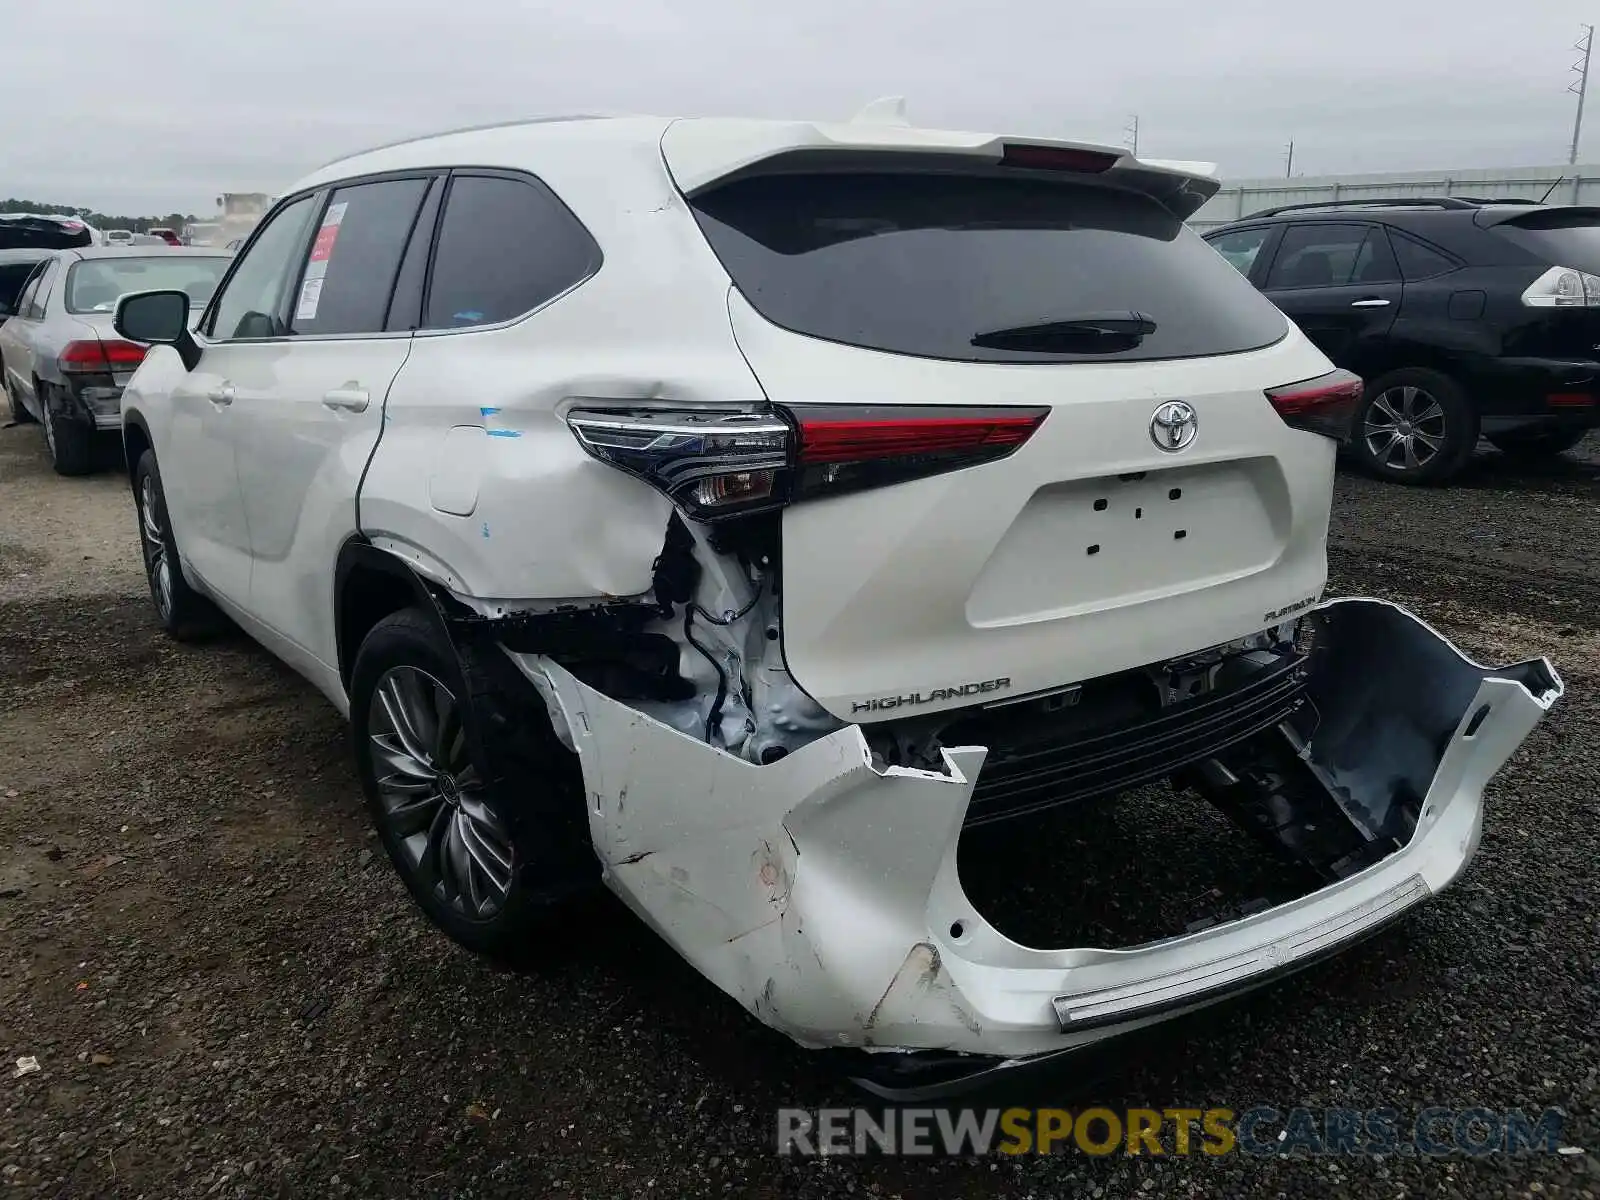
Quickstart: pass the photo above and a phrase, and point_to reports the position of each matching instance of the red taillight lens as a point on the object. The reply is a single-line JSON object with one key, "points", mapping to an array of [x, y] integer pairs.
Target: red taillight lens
{"points": [[1570, 400], [845, 449], [1057, 158], [96, 355], [1325, 405], [717, 464]]}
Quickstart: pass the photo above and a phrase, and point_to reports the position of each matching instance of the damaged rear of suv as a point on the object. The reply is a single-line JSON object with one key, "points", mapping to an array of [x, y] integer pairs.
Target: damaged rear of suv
{"points": [[835, 490]]}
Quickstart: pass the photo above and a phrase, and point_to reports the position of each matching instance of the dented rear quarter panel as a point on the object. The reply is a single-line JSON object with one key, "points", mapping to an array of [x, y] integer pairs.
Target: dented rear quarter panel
{"points": [[494, 498]]}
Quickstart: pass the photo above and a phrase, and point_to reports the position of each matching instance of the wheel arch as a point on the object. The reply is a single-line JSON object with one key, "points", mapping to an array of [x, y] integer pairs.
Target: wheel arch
{"points": [[368, 585], [136, 440]]}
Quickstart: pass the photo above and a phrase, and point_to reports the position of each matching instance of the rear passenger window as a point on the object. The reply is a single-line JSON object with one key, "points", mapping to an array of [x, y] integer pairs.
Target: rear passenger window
{"points": [[1375, 261], [1320, 255], [1241, 247], [505, 247], [1418, 261], [350, 268]]}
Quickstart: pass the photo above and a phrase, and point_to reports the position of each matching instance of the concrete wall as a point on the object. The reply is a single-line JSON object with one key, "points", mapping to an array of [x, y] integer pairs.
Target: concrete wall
{"points": [[1241, 197]]}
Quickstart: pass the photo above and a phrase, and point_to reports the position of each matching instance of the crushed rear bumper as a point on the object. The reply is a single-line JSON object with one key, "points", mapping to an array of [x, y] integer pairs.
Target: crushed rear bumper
{"points": [[821, 891]]}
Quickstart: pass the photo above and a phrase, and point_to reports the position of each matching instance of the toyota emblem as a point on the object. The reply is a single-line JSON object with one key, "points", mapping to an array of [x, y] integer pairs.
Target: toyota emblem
{"points": [[1174, 426]]}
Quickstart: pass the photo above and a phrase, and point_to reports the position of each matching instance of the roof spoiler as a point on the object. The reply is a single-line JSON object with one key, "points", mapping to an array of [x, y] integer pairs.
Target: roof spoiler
{"points": [[1535, 216]]}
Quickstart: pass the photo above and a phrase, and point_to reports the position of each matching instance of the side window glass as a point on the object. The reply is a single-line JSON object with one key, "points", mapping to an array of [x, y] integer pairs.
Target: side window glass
{"points": [[249, 304], [1418, 261], [349, 270], [505, 247], [405, 306], [1375, 261], [1316, 255], [1242, 248], [29, 291], [47, 281]]}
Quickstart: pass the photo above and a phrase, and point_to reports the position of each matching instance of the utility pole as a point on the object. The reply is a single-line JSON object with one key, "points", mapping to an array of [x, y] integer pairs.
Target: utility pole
{"points": [[1288, 162], [1132, 134], [1579, 87]]}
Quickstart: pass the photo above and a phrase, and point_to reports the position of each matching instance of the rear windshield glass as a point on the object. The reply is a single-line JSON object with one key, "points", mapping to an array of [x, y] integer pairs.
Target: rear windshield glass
{"points": [[1559, 238], [18, 233], [95, 285], [981, 269]]}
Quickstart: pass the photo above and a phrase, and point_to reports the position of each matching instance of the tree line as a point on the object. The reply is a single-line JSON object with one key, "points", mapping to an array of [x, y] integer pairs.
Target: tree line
{"points": [[98, 219]]}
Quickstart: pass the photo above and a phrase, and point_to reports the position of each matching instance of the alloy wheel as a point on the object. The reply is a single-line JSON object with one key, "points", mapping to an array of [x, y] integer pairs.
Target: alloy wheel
{"points": [[433, 798], [1404, 428], [156, 562]]}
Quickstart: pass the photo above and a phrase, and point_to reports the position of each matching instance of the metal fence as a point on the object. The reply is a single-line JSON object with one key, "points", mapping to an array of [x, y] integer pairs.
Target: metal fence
{"points": [[1241, 197]]}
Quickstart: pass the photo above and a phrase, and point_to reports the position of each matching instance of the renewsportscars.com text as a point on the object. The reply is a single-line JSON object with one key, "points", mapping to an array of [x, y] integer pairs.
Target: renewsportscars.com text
{"points": [[1261, 1130]]}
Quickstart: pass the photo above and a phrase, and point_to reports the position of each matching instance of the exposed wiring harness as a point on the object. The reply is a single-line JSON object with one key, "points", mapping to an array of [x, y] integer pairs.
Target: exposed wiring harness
{"points": [[715, 713], [730, 618]]}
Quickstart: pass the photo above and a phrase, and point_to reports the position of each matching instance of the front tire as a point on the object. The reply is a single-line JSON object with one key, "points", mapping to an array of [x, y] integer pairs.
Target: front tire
{"points": [[71, 443], [183, 612], [478, 806], [1534, 444], [1415, 426]]}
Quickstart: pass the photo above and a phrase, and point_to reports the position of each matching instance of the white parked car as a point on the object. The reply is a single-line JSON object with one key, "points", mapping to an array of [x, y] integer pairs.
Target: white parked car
{"points": [[119, 237], [737, 511]]}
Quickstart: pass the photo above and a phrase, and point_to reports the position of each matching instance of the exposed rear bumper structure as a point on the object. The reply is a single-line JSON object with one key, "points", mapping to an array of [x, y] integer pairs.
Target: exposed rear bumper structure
{"points": [[821, 891]]}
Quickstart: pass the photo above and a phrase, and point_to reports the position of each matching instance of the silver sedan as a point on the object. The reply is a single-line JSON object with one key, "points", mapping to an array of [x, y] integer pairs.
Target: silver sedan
{"points": [[63, 364]]}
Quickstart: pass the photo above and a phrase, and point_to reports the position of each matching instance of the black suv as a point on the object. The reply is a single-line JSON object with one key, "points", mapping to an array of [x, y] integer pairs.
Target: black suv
{"points": [[1464, 317]]}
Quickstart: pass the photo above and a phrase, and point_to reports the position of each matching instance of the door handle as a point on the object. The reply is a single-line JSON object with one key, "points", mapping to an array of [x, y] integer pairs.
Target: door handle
{"points": [[222, 395], [1372, 302], [349, 399]]}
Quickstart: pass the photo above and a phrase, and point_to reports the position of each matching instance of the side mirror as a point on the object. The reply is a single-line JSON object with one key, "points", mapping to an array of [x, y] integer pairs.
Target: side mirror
{"points": [[159, 318]]}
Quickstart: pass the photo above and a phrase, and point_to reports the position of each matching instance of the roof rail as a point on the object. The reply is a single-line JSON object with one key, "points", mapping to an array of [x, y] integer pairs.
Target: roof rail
{"points": [[1455, 202], [423, 137]]}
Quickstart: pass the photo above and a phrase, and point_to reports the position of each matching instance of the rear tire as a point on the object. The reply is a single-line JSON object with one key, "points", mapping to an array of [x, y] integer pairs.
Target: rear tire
{"points": [[478, 806], [71, 443], [1536, 443], [1414, 426], [183, 612], [19, 415]]}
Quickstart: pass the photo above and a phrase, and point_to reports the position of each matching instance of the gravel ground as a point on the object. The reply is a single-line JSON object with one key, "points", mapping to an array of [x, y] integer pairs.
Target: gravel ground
{"points": [[229, 993]]}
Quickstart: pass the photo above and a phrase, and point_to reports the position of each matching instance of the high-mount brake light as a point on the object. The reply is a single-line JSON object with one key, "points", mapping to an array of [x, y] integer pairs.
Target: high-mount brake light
{"points": [[717, 463], [1325, 405], [1056, 158], [95, 354]]}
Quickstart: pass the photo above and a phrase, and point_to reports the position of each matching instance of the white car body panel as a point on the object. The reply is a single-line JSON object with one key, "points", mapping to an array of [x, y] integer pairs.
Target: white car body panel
{"points": [[301, 452]]}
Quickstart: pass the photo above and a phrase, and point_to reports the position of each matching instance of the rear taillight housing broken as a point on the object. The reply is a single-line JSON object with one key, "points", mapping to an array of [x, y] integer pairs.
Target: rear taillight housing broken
{"points": [[97, 355], [717, 464], [1325, 405]]}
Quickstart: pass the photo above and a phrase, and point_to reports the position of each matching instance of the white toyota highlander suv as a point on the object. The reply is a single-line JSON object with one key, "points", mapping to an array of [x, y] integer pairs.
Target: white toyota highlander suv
{"points": [[738, 511]]}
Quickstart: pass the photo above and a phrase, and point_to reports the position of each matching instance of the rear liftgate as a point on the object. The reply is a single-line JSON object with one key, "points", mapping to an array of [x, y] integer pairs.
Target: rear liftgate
{"points": [[818, 886]]}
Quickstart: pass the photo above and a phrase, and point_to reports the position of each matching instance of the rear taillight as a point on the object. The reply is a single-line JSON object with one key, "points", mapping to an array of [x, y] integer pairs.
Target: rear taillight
{"points": [[717, 464], [1563, 287], [846, 449], [1325, 405], [102, 356]]}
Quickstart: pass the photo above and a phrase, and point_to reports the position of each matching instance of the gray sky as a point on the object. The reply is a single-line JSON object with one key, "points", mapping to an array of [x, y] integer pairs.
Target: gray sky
{"points": [[163, 105]]}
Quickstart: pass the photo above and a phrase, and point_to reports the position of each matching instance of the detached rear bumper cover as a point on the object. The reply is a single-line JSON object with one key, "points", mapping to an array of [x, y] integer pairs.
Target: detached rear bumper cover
{"points": [[822, 893]]}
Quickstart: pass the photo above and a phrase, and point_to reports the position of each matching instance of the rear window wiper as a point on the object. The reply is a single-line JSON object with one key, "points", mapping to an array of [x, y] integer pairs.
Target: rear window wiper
{"points": [[1091, 333]]}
